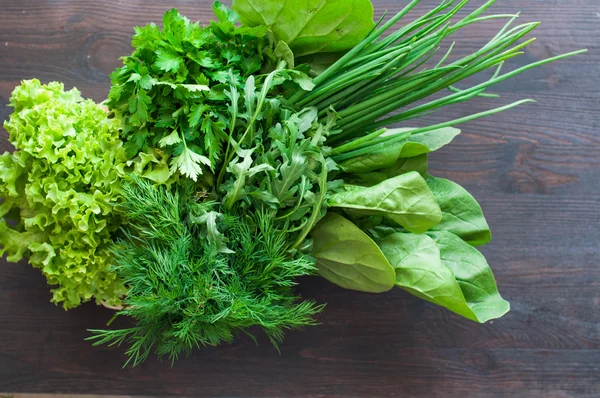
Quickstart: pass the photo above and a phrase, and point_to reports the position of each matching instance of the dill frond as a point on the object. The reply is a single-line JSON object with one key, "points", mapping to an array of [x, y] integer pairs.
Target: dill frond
{"points": [[184, 292]]}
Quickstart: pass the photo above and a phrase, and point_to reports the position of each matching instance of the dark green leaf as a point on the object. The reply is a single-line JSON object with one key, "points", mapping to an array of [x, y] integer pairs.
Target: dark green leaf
{"points": [[168, 60], [444, 270], [415, 145], [405, 199], [461, 214], [347, 257]]}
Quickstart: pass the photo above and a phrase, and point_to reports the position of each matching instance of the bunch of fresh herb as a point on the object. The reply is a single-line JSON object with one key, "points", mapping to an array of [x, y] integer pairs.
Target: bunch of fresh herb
{"points": [[290, 174], [171, 90], [197, 276]]}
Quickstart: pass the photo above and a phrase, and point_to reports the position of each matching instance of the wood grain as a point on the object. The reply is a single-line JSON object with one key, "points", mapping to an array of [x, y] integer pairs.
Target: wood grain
{"points": [[534, 169]]}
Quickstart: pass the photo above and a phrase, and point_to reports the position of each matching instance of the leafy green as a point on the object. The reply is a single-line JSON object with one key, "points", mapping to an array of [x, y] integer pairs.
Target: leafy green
{"points": [[412, 146], [279, 123], [172, 91], [461, 214], [439, 267], [60, 188], [185, 291], [402, 166], [310, 26], [347, 257], [405, 199]]}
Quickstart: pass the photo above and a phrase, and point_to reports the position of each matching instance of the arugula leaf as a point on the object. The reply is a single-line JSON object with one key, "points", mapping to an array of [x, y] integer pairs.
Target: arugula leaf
{"points": [[310, 26], [347, 257], [212, 233]]}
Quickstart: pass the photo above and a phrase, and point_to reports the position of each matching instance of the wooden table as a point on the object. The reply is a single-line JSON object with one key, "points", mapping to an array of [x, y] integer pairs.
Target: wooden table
{"points": [[535, 170]]}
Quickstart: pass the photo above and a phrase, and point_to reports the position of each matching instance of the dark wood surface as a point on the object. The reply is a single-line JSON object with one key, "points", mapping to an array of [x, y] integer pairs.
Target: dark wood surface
{"points": [[535, 170]]}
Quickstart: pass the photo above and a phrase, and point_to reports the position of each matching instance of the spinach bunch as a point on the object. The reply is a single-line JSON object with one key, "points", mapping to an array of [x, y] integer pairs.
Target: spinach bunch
{"points": [[389, 222]]}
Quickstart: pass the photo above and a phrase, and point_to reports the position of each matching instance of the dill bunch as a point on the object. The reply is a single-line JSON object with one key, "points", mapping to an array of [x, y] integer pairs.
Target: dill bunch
{"points": [[196, 277]]}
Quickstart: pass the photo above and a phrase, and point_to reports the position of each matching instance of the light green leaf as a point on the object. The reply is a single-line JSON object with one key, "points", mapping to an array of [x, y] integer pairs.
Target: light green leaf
{"points": [[168, 60], [310, 26], [189, 163], [224, 13], [473, 275], [195, 88], [405, 199], [170, 139], [301, 79], [422, 269], [461, 214], [147, 82], [419, 271], [212, 233], [417, 163], [241, 168], [264, 196], [415, 145], [284, 53], [347, 257]]}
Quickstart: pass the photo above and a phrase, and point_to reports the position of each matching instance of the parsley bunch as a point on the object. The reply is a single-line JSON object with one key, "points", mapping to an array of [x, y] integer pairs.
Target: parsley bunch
{"points": [[171, 90]]}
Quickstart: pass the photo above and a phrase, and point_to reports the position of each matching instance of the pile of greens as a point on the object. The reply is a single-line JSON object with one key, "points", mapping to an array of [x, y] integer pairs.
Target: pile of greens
{"points": [[60, 188], [234, 157]]}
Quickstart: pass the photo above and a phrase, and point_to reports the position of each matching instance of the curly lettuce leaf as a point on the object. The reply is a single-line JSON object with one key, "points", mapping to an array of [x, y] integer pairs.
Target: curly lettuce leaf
{"points": [[59, 191]]}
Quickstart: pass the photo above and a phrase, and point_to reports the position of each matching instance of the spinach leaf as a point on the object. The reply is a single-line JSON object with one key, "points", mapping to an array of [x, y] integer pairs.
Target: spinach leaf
{"points": [[310, 26], [461, 214], [405, 199], [347, 257], [419, 271], [441, 268], [417, 163], [473, 274], [320, 62], [387, 157]]}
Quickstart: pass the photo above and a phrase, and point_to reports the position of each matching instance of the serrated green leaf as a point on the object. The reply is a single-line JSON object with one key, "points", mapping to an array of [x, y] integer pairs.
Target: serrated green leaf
{"points": [[143, 103], [189, 163], [196, 113], [170, 139], [168, 60]]}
